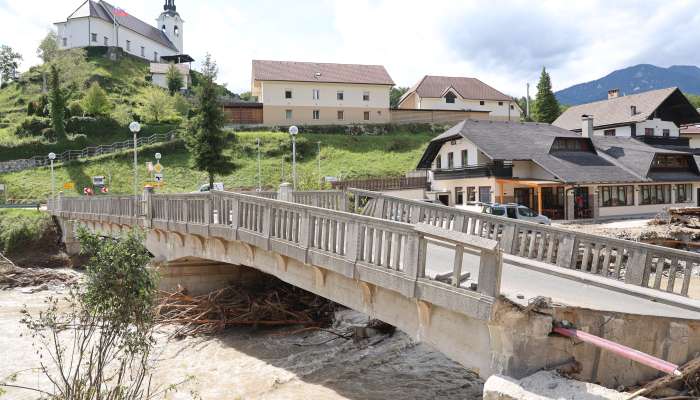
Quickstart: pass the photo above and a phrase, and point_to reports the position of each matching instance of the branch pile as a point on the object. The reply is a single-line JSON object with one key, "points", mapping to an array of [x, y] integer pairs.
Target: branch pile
{"points": [[12, 276], [274, 306]]}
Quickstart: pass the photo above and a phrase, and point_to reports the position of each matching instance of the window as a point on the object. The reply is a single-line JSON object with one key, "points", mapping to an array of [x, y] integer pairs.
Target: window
{"points": [[65, 42], [571, 144], [288, 114], [684, 193], [609, 132], [317, 114], [288, 94], [106, 41], [465, 158], [450, 160], [512, 107], [526, 212], [500, 103], [315, 93], [94, 37], [471, 194], [365, 96], [176, 30], [616, 196], [485, 194], [128, 45], [459, 195], [366, 115], [438, 162], [341, 115], [667, 132], [143, 51], [648, 131], [666, 162], [155, 56], [450, 98], [482, 103], [633, 130], [340, 96], [655, 194]]}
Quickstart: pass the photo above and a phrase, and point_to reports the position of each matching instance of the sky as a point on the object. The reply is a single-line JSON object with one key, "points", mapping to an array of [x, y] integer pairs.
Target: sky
{"points": [[505, 43]]}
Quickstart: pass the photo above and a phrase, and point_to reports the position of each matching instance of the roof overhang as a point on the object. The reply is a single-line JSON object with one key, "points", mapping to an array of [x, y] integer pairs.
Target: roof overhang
{"points": [[178, 59]]}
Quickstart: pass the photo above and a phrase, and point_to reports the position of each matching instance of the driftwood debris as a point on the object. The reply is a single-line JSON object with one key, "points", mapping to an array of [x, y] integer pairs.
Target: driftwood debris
{"points": [[12, 276], [275, 306], [689, 375]]}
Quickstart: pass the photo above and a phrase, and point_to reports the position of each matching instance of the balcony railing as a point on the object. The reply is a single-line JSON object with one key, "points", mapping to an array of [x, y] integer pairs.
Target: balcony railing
{"points": [[475, 171]]}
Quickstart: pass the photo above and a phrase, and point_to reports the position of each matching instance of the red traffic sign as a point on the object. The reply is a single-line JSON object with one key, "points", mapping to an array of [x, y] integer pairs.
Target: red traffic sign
{"points": [[104, 189]]}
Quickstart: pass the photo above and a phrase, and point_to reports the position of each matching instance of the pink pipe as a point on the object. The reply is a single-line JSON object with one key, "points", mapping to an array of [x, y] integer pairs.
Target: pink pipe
{"points": [[623, 351]]}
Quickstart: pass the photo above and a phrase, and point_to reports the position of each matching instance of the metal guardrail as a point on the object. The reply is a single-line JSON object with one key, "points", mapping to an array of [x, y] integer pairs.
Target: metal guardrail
{"points": [[93, 151], [639, 264]]}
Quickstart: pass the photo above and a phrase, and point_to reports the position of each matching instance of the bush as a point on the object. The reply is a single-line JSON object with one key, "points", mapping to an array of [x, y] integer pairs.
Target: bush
{"points": [[32, 126], [21, 230], [31, 108], [75, 109], [49, 134], [91, 126], [95, 101]]}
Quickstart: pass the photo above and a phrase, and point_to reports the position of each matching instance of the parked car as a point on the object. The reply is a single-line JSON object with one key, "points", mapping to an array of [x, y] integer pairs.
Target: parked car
{"points": [[516, 211], [219, 186]]}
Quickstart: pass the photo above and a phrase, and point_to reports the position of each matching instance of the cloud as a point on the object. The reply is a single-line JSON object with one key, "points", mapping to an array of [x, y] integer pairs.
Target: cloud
{"points": [[503, 43]]}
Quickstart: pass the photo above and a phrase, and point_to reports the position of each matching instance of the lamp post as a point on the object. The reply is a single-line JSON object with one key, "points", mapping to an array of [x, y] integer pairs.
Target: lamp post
{"points": [[52, 156], [259, 168], [294, 131], [135, 128], [320, 178]]}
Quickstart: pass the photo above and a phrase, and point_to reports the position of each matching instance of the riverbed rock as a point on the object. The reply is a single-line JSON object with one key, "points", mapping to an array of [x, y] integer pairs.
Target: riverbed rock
{"points": [[546, 385]]}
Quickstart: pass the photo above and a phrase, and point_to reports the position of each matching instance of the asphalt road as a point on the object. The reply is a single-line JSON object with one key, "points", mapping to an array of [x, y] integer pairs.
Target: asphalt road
{"points": [[521, 285]]}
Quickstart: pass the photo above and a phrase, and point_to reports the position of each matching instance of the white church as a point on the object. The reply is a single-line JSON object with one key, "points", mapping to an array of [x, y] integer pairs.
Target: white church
{"points": [[97, 23]]}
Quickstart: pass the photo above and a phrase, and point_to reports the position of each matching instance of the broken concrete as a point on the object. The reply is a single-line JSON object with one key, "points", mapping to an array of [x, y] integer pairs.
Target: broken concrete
{"points": [[546, 385]]}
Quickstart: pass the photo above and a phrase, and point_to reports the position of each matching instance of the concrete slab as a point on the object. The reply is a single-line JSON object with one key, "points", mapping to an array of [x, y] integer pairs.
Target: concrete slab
{"points": [[521, 285]]}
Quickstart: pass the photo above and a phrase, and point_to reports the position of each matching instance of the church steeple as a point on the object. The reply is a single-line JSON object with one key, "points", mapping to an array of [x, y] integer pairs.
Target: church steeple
{"points": [[170, 6]]}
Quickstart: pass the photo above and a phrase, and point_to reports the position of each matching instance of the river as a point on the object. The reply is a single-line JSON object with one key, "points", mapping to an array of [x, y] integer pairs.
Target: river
{"points": [[254, 364]]}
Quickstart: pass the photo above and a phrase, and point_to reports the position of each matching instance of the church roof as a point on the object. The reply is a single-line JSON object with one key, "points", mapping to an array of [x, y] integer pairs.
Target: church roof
{"points": [[105, 11]]}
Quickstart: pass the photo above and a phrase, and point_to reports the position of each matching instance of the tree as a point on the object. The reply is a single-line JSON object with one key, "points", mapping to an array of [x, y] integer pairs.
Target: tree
{"points": [[57, 101], [174, 79], [246, 96], [206, 138], [74, 67], [395, 96], [157, 105], [95, 102], [546, 104], [9, 62], [48, 48], [182, 105]]}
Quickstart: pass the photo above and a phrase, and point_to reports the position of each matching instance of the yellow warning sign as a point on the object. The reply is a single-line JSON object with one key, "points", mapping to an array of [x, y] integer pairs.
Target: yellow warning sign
{"points": [[158, 168], [69, 186]]}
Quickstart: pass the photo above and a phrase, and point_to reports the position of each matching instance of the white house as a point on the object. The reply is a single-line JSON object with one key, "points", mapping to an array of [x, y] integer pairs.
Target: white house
{"points": [[657, 113], [98, 23], [159, 72], [460, 93]]}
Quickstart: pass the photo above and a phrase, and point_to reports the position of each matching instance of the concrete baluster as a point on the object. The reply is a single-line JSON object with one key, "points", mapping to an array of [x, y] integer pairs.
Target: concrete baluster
{"points": [[508, 238], [286, 192], [638, 266], [457, 266], [148, 215], [566, 253], [490, 272]]}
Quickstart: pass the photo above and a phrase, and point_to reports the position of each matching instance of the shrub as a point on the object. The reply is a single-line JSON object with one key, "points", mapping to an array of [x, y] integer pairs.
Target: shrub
{"points": [[32, 126], [95, 101], [91, 126], [157, 105], [31, 108], [21, 230], [75, 109], [49, 134], [182, 105]]}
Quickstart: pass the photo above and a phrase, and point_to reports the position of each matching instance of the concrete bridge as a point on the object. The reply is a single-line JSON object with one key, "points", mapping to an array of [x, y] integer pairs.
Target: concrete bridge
{"points": [[462, 282]]}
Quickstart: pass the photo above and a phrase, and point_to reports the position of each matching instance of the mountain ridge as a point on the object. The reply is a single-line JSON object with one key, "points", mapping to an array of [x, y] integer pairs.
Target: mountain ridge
{"points": [[632, 80]]}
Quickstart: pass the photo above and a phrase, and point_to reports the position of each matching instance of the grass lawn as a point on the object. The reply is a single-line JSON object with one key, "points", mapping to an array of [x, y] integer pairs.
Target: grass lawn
{"points": [[342, 156]]}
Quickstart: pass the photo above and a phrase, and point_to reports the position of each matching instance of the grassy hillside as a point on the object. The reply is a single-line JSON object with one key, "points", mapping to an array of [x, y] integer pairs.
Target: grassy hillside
{"points": [[341, 156]]}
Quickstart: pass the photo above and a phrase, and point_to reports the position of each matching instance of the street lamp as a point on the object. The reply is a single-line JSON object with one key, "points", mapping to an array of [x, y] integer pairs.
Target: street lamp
{"points": [[158, 156], [52, 156], [320, 178], [294, 131], [135, 128], [259, 168]]}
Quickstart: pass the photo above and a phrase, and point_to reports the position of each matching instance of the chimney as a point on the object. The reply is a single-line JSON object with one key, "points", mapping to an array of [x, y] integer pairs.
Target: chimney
{"points": [[587, 126], [613, 93], [633, 111]]}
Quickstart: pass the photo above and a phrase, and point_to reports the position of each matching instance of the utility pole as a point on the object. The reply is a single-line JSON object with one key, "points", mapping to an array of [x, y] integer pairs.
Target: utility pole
{"points": [[527, 101], [259, 168]]}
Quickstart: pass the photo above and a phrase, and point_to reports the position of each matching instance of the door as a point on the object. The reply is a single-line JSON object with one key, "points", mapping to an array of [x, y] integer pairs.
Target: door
{"points": [[582, 209], [698, 197]]}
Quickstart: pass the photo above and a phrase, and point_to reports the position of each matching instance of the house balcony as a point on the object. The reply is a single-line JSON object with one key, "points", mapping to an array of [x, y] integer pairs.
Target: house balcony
{"points": [[474, 171]]}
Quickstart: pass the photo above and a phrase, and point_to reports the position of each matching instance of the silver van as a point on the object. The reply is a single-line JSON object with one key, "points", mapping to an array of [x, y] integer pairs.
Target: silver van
{"points": [[516, 211]]}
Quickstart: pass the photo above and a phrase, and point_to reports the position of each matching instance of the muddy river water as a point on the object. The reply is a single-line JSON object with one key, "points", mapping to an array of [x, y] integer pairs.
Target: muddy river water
{"points": [[253, 364]]}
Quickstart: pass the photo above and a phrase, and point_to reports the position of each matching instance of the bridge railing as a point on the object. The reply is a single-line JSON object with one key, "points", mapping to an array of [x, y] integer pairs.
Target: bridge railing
{"points": [[328, 199], [118, 206], [640, 264]]}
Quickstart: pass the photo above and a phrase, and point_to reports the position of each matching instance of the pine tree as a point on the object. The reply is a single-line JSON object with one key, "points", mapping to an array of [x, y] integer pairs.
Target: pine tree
{"points": [[206, 138], [57, 101], [174, 79], [546, 104]]}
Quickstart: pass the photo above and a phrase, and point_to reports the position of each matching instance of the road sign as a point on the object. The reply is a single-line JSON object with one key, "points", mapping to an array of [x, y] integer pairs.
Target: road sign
{"points": [[104, 190], [158, 168], [2, 187], [159, 178], [69, 186], [149, 166], [98, 180]]}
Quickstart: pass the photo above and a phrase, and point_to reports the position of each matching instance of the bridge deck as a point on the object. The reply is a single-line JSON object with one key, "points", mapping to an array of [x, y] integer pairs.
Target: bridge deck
{"points": [[521, 285]]}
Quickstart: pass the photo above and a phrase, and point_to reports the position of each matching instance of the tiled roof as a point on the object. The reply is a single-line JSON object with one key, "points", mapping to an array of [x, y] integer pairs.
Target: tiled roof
{"points": [[612, 160], [292, 71], [615, 111], [106, 11], [690, 129], [468, 88]]}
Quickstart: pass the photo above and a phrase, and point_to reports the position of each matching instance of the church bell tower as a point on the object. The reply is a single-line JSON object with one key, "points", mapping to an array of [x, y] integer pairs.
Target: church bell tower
{"points": [[171, 23]]}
